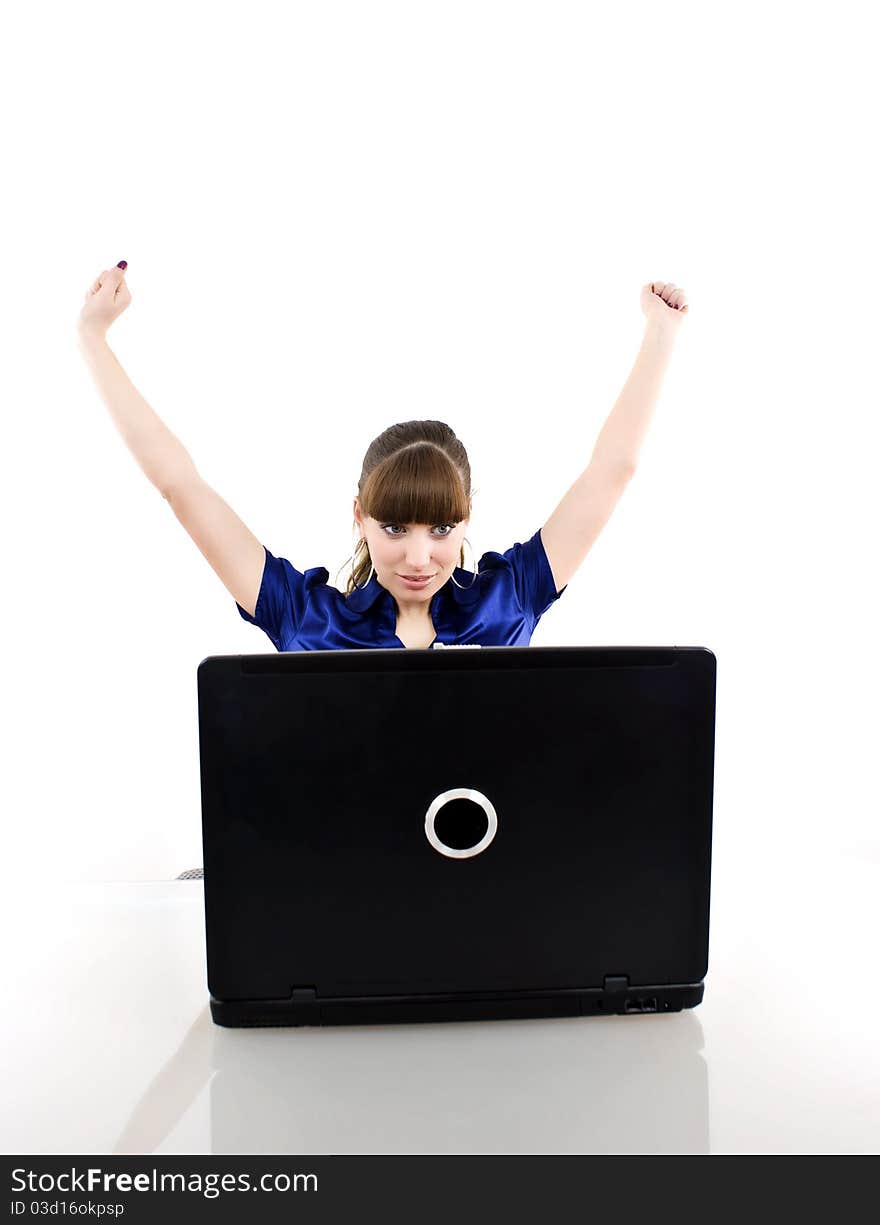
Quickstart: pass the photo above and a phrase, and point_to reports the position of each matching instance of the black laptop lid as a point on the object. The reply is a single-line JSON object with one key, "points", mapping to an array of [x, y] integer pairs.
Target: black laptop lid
{"points": [[402, 822]]}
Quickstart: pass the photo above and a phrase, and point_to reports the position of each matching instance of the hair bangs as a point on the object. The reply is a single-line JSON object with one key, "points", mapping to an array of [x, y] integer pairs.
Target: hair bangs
{"points": [[418, 484]]}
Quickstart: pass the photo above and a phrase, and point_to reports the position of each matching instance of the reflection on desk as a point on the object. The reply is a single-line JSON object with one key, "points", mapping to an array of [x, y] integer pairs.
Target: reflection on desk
{"points": [[563, 1085]]}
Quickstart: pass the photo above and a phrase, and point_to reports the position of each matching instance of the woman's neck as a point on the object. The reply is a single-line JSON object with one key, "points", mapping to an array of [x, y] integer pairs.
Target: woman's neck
{"points": [[421, 616]]}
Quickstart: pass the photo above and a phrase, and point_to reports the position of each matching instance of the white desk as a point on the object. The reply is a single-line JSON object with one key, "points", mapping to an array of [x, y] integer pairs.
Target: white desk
{"points": [[110, 1048]]}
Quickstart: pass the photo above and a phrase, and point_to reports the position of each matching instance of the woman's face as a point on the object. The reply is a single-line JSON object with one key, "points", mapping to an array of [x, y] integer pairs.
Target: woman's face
{"points": [[399, 550]]}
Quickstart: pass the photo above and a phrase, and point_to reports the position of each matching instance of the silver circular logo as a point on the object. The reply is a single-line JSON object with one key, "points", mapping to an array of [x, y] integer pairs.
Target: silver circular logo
{"points": [[460, 793]]}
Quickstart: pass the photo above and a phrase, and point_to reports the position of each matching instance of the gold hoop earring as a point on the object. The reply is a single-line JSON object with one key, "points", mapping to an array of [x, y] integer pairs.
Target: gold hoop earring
{"points": [[475, 571], [359, 586]]}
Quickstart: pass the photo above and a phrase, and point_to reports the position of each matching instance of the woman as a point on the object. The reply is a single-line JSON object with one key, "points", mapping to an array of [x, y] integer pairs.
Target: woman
{"points": [[412, 512]]}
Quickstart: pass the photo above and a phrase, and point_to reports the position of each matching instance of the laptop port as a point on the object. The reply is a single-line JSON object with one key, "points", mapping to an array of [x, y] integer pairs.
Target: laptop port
{"points": [[640, 1005]]}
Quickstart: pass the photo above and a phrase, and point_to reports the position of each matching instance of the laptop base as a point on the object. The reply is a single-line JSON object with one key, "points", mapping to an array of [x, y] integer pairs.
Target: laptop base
{"points": [[304, 1008]]}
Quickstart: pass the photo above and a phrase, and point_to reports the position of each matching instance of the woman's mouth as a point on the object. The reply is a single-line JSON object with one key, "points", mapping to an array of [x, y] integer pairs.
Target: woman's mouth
{"points": [[416, 583]]}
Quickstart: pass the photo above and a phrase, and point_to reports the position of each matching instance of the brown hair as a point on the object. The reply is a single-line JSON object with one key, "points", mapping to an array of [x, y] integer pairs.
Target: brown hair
{"points": [[414, 472]]}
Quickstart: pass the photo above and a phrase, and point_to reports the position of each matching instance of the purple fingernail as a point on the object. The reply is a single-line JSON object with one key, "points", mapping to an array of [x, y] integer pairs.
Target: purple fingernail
{"points": [[123, 263]]}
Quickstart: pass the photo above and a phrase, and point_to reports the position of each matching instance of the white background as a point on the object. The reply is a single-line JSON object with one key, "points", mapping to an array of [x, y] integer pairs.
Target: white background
{"points": [[341, 215]]}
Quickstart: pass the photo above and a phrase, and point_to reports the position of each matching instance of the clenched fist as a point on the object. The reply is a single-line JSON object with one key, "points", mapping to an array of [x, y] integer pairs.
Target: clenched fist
{"points": [[105, 300], [664, 302]]}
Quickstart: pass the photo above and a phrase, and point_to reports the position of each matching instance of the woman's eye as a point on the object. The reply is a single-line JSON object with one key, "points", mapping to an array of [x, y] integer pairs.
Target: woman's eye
{"points": [[451, 527]]}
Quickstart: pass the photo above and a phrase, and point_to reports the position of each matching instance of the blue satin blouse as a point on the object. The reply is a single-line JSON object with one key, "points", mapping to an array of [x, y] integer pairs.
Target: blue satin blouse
{"points": [[298, 611]]}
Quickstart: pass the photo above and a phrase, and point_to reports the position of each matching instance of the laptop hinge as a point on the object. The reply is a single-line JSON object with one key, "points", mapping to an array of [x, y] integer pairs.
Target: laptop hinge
{"points": [[615, 983], [303, 995]]}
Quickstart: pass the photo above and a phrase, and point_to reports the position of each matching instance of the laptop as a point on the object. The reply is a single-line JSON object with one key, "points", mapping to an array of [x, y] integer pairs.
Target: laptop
{"points": [[510, 832]]}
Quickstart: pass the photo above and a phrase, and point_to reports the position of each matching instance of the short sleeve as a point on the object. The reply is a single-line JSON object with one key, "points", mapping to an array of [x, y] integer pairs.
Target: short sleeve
{"points": [[281, 601], [533, 578]]}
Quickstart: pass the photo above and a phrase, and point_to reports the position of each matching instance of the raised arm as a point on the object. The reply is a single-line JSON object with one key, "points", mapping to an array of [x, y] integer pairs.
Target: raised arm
{"points": [[230, 548], [572, 529], [622, 435], [162, 457]]}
